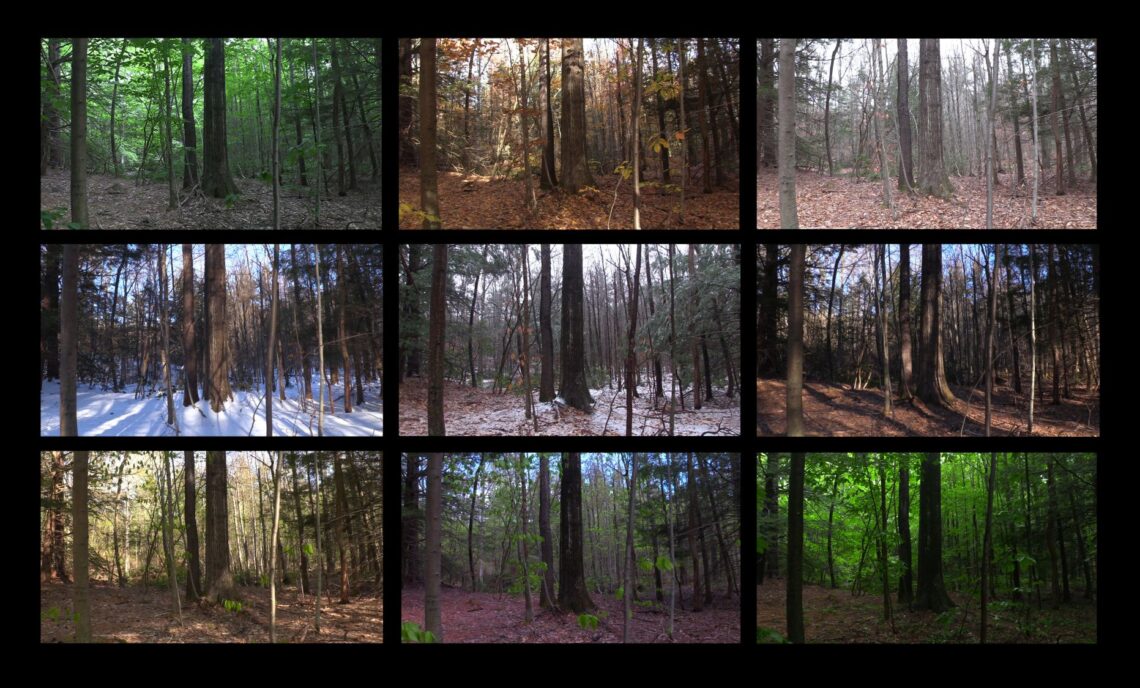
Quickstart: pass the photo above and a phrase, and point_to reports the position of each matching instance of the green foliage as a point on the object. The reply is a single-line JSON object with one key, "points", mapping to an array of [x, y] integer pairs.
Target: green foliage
{"points": [[620, 593], [49, 217], [231, 199], [410, 632], [50, 614], [664, 564], [234, 606], [625, 169], [766, 636], [588, 622]]}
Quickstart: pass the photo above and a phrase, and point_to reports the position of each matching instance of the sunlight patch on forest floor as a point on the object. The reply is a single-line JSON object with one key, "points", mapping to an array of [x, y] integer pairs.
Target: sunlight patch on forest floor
{"points": [[110, 413], [487, 617], [137, 614], [835, 410], [117, 203], [836, 616], [470, 411], [845, 203], [476, 202]]}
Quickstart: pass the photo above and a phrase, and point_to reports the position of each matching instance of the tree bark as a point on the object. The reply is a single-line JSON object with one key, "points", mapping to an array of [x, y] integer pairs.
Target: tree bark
{"points": [[572, 387], [575, 167], [79, 134], [787, 167], [79, 546], [429, 192], [795, 413], [931, 592], [216, 179], [572, 593], [795, 608], [435, 340], [433, 621], [69, 343], [932, 172], [219, 582], [546, 330], [906, 159]]}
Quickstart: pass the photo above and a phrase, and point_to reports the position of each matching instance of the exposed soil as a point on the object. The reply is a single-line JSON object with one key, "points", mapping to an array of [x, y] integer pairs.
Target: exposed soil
{"points": [[835, 616], [138, 614], [836, 410], [117, 203], [487, 617], [481, 202]]}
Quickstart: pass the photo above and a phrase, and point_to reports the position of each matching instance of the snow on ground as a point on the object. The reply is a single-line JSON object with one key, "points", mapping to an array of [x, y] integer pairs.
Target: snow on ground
{"points": [[119, 414], [470, 411]]}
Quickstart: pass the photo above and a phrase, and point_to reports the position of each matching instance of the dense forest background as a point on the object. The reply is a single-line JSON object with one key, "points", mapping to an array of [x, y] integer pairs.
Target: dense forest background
{"points": [[647, 547], [506, 123], [156, 133], [998, 547], [143, 547], [898, 340], [169, 341], [640, 340], [873, 133]]}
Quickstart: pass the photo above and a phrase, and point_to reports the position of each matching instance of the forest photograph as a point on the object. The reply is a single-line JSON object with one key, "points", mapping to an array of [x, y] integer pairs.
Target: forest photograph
{"points": [[570, 548], [214, 339], [928, 340], [566, 339], [211, 547], [967, 548], [569, 133], [926, 133], [210, 133]]}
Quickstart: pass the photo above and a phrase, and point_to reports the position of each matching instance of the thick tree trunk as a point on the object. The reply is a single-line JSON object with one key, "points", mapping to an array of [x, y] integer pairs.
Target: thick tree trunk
{"points": [[931, 592], [219, 347], [572, 593], [932, 179], [219, 582], [546, 330], [575, 166], [573, 388], [216, 179], [189, 345]]}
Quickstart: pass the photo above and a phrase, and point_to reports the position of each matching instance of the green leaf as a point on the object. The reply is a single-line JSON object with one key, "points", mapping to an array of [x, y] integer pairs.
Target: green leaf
{"points": [[664, 563], [588, 622], [309, 549]]}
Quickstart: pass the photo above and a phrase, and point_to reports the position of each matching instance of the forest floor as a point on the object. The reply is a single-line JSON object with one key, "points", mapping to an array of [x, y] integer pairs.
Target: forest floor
{"points": [[835, 616], [103, 412], [847, 203], [481, 202], [138, 614], [117, 203], [487, 617], [837, 410], [471, 411]]}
